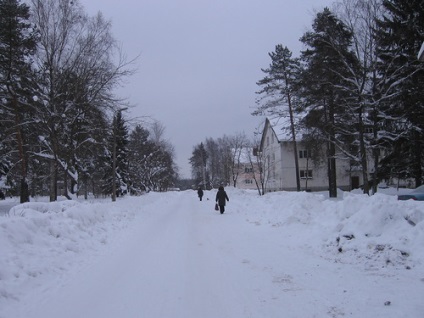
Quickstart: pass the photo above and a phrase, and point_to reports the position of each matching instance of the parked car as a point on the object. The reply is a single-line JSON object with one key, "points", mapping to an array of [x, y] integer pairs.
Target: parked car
{"points": [[417, 194]]}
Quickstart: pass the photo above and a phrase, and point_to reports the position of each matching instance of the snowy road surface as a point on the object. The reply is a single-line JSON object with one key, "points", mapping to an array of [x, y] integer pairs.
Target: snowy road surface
{"points": [[186, 260]]}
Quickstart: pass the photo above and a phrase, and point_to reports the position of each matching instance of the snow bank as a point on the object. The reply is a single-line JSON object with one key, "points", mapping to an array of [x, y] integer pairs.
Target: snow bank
{"points": [[40, 240], [373, 231]]}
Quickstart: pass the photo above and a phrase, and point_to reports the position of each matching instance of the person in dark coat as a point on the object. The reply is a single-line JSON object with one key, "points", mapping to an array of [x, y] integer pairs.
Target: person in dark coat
{"points": [[221, 196], [200, 193]]}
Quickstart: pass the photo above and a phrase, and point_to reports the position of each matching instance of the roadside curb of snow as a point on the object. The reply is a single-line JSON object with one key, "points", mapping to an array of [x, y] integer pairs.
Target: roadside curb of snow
{"points": [[43, 238]]}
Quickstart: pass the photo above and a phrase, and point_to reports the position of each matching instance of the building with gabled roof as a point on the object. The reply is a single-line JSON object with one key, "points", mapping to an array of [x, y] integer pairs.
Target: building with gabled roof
{"points": [[277, 149]]}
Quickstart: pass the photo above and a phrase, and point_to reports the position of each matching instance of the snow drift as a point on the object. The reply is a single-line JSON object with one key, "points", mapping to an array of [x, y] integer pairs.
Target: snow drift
{"points": [[40, 241]]}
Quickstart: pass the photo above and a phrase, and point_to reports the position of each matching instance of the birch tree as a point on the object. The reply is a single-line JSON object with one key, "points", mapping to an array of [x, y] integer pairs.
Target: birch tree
{"points": [[80, 64], [237, 144]]}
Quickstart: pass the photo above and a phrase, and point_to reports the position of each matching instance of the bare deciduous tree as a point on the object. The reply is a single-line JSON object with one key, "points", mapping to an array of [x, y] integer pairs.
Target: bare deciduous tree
{"points": [[80, 64], [237, 143]]}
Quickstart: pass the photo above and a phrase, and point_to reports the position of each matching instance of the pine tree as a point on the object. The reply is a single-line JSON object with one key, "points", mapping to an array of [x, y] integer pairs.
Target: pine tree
{"points": [[17, 46], [140, 148], [277, 93], [399, 37], [198, 163], [324, 81], [87, 142], [120, 153], [215, 167]]}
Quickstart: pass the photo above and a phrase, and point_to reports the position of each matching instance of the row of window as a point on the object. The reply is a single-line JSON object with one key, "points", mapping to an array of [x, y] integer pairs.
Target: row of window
{"points": [[304, 174], [367, 130], [304, 154]]}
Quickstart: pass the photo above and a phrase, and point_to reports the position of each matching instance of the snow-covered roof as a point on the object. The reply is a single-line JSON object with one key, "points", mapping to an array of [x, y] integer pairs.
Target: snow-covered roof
{"points": [[281, 127]]}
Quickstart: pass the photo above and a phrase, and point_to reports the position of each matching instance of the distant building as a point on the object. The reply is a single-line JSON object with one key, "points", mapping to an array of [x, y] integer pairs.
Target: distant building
{"points": [[247, 170]]}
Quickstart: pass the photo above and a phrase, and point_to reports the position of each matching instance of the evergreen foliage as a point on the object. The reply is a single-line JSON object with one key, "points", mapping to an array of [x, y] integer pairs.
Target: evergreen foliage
{"points": [[151, 166], [400, 35], [325, 79], [199, 161], [55, 103], [17, 47], [278, 97], [360, 89]]}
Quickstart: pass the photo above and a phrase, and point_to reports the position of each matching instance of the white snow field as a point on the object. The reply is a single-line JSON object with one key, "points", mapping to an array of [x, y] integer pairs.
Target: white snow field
{"points": [[169, 255]]}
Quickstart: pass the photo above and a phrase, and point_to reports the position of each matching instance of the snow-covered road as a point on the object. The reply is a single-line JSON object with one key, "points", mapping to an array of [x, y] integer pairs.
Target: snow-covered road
{"points": [[186, 260], [183, 261]]}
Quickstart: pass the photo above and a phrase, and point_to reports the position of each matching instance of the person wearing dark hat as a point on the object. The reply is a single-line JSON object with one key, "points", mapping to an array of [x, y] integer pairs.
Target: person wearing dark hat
{"points": [[221, 198], [200, 193]]}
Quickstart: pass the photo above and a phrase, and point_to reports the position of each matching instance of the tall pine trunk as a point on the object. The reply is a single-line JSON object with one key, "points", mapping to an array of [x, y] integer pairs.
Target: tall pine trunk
{"points": [[418, 161], [24, 189], [53, 180], [331, 153], [363, 152], [293, 132]]}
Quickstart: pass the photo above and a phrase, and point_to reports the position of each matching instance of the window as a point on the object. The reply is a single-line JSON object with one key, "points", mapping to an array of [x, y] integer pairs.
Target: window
{"points": [[248, 181], [248, 169], [304, 154], [305, 174]]}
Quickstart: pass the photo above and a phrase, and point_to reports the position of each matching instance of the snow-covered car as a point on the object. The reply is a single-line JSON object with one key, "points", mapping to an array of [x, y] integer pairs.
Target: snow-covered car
{"points": [[417, 194]]}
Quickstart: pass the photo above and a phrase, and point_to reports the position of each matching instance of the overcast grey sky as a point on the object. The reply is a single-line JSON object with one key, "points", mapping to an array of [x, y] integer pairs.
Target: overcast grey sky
{"points": [[200, 60]]}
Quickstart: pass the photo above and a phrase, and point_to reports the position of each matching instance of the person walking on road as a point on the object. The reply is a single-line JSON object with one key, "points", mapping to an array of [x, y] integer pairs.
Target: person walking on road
{"points": [[221, 197], [200, 193]]}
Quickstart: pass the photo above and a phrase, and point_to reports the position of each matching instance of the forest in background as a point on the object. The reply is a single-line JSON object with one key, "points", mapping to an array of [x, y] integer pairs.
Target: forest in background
{"points": [[356, 88]]}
